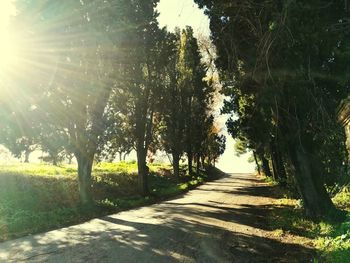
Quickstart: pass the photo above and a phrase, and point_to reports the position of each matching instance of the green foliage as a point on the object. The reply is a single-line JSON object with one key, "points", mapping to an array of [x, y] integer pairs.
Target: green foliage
{"points": [[342, 198], [334, 243]]}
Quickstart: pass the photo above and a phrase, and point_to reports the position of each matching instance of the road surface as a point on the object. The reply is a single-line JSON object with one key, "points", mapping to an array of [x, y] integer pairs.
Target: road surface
{"points": [[220, 221]]}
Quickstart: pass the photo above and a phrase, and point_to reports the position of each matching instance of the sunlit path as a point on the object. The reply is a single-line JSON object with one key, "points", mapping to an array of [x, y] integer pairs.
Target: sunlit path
{"points": [[221, 221]]}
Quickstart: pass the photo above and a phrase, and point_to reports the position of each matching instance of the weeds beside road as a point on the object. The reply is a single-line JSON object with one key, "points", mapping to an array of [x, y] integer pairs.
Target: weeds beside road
{"points": [[36, 198]]}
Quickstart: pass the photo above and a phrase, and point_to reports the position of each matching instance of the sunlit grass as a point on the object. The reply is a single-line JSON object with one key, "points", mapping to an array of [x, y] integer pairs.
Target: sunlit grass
{"points": [[27, 169], [121, 167]]}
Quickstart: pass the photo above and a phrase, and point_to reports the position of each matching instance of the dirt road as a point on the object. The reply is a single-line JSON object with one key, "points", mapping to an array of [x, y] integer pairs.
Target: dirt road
{"points": [[221, 221]]}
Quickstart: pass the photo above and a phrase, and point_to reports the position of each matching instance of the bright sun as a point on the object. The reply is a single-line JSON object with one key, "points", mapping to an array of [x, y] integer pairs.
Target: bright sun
{"points": [[8, 53]]}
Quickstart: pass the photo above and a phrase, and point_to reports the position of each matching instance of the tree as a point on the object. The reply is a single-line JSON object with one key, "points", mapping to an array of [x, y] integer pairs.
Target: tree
{"points": [[19, 133], [80, 43], [215, 145], [195, 92], [173, 105], [142, 71], [53, 142], [276, 59], [186, 100], [117, 137]]}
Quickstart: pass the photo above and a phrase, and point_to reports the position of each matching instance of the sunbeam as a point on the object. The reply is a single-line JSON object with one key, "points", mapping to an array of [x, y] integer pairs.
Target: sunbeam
{"points": [[8, 43]]}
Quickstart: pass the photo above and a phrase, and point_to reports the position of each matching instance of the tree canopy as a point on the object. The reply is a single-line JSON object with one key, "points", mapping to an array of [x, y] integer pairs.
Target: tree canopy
{"points": [[282, 68]]}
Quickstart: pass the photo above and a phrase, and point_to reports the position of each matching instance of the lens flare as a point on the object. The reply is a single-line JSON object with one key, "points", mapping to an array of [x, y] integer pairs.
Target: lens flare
{"points": [[8, 52], [8, 44]]}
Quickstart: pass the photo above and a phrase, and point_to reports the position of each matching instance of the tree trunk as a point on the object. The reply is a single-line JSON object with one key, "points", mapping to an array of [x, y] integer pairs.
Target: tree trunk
{"points": [[198, 164], [279, 171], [54, 160], [176, 164], [189, 136], [256, 162], [265, 166], [281, 168], [120, 156], [26, 156], [190, 159], [203, 161], [316, 200], [142, 172], [274, 169], [84, 177]]}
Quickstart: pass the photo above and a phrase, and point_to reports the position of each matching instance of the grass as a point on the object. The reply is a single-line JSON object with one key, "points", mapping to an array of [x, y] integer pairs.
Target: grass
{"points": [[36, 197], [331, 239]]}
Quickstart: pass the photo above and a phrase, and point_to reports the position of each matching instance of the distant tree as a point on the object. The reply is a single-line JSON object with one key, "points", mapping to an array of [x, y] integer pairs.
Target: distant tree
{"points": [[203, 120], [117, 138], [53, 142], [19, 133], [215, 145]]}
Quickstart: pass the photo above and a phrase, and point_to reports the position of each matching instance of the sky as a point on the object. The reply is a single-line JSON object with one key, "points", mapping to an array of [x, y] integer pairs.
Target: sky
{"points": [[180, 13]]}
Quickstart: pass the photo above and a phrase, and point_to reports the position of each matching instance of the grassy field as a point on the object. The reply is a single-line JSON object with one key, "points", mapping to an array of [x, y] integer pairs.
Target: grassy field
{"points": [[330, 239], [36, 198]]}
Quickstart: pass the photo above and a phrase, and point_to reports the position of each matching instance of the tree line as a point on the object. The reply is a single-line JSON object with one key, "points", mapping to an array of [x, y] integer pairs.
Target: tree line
{"points": [[284, 67], [98, 78]]}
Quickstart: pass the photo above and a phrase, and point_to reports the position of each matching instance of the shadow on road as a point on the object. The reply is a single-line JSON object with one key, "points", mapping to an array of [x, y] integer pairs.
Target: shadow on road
{"points": [[181, 230]]}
